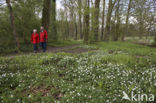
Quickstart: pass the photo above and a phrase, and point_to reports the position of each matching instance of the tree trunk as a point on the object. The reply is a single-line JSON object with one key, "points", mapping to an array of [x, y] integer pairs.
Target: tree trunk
{"points": [[117, 28], [13, 24], [66, 26], [155, 39], [53, 21], [154, 20], [108, 22], [86, 22], [127, 19], [75, 28], [46, 14], [141, 26], [83, 24], [96, 21], [80, 17], [103, 20]]}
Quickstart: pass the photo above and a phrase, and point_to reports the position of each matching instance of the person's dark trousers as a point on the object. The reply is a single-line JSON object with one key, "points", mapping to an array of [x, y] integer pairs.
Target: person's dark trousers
{"points": [[35, 48], [44, 46]]}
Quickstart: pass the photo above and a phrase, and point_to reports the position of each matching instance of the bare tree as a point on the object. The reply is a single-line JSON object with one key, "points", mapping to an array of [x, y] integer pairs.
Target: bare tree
{"points": [[103, 20], [127, 19], [154, 6], [96, 20], [13, 24], [80, 17], [53, 21], [86, 22], [108, 21], [117, 27]]}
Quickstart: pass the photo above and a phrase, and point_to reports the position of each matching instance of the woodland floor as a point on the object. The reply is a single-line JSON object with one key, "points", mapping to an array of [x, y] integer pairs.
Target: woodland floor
{"points": [[68, 74], [50, 49]]}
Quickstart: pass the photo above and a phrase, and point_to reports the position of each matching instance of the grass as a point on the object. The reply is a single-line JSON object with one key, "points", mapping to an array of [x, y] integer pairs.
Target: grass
{"points": [[133, 49], [11, 48], [64, 43], [95, 77], [144, 39]]}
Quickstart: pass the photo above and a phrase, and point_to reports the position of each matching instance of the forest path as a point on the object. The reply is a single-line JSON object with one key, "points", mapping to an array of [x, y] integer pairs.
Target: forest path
{"points": [[67, 49]]}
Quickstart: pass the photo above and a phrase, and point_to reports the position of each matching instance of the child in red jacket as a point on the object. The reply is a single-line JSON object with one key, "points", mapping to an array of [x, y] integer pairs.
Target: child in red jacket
{"points": [[43, 38], [35, 40]]}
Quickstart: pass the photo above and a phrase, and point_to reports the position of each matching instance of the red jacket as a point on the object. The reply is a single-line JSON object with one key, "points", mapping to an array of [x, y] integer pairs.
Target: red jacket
{"points": [[35, 38], [43, 36]]}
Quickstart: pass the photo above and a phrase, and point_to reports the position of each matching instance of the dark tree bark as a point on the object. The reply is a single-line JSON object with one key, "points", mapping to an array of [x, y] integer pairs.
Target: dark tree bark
{"points": [[66, 26], [53, 21], [76, 33], [13, 24], [46, 14], [103, 20], [76, 36], [86, 22], [96, 21], [80, 17], [154, 2], [117, 28]]}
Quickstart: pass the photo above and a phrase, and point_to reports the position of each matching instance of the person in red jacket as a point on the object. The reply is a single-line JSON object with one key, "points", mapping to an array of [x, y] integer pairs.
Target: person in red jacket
{"points": [[43, 38], [35, 40]]}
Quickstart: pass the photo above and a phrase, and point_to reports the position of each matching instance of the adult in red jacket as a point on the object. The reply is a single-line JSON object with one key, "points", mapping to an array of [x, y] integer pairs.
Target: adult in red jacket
{"points": [[35, 40], [43, 39]]}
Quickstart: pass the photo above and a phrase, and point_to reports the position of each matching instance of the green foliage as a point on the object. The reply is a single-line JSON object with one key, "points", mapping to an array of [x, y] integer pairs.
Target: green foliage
{"points": [[10, 48], [25, 20]]}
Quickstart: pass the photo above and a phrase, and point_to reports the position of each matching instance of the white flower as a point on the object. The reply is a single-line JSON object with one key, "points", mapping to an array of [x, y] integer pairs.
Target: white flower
{"points": [[12, 96], [30, 96], [78, 94], [18, 100], [89, 96]]}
